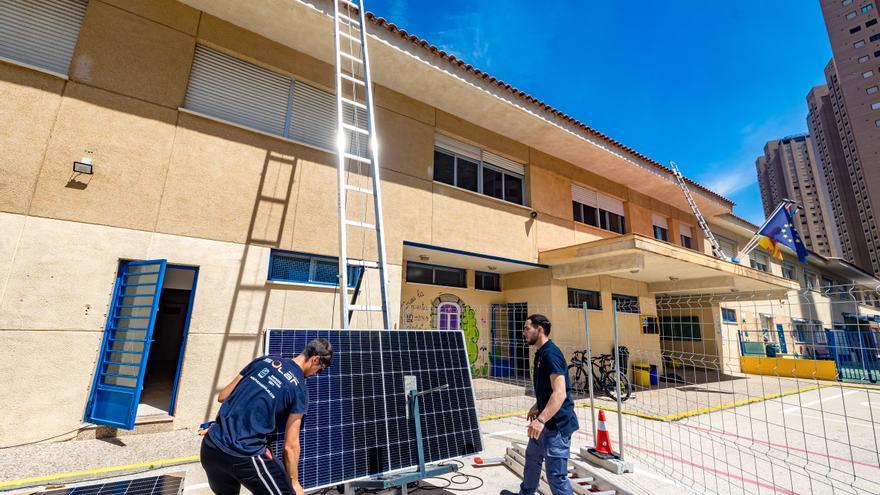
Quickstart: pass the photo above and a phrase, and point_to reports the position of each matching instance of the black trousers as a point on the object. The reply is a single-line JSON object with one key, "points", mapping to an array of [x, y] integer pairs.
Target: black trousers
{"points": [[259, 474]]}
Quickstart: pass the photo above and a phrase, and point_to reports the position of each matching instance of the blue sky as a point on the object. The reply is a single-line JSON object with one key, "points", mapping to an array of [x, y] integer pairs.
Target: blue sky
{"points": [[705, 84]]}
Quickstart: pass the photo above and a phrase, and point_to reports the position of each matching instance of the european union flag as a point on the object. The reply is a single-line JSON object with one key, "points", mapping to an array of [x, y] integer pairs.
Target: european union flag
{"points": [[780, 229]]}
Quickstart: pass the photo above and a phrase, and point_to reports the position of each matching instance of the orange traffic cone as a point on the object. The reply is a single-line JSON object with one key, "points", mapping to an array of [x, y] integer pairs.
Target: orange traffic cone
{"points": [[603, 440]]}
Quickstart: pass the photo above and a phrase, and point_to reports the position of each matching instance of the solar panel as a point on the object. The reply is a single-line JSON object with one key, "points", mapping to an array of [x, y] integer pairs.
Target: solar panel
{"points": [[358, 422], [166, 484]]}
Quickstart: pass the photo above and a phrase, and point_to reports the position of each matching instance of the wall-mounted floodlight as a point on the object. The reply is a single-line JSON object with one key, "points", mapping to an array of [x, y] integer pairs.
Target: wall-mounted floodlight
{"points": [[83, 166]]}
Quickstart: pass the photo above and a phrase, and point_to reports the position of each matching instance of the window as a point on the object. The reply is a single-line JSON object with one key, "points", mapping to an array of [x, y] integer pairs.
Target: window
{"points": [[448, 316], [577, 298], [759, 262], [875, 106], [728, 247], [41, 34], [877, 123], [871, 23], [867, 8], [661, 234], [855, 30], [846, 2], [597, 209], [867, 74], [304, 268], [686, 236], [686, 241], [864, 58], [661, 227], [680, 328], [810, 281], [875, 37], [728, 315], [282, 107], [827, 285], [421, 273], [877, 53], [873, 89], [859, 44], [788, 271], [625, 304], [851, 15], [487, 281], [468, 167], [650, 325]]}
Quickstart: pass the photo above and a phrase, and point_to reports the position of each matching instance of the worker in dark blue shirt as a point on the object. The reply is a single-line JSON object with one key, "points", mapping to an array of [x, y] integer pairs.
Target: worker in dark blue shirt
{"points": [[551, 420], [269, 392]]}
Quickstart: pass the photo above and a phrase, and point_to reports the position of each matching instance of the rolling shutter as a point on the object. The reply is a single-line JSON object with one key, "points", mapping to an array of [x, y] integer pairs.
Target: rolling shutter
{"points": [[584, 196], [685, 230], [501, 162], [41, 33], [608, 203], [455, 146], [313, 120], [230, 89], [659, 221]]}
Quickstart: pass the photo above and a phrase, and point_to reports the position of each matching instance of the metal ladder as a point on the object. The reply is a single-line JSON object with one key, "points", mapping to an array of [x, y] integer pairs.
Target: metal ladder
{"points": [[357, 151], [716, 248]]}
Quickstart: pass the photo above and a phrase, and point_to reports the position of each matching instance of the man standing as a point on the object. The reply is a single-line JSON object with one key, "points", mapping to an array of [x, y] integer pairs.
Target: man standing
{"points": [[551, 419], [269, 392]]}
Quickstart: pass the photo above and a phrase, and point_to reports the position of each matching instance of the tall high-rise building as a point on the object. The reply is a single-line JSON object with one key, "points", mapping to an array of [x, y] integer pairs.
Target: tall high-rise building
{"points": [[788, 170], [830, 160], [854, 93]]}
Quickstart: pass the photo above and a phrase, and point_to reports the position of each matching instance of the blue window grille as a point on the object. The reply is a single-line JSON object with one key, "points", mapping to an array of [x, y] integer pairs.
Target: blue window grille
{"points": [[304, 268]]}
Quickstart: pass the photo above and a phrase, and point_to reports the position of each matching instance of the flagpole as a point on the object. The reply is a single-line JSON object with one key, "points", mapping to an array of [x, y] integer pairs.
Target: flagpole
{"points": [[750, 246]]}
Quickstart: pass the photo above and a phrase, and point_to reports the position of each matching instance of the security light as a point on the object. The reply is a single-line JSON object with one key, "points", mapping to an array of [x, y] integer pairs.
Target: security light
{"points": [[83, 166]]}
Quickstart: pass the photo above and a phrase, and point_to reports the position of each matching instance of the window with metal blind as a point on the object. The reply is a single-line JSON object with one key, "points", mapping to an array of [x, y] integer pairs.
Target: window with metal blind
{"points": [[577, 298], [686, 236], [304, 268], [487, 281], [597, 209], [239, 92], [423, 273], [468, 167], [41, 34]]}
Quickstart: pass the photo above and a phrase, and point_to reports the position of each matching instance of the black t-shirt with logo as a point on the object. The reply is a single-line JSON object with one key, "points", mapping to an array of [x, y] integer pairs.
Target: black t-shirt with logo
{"points": [[271, 389]]}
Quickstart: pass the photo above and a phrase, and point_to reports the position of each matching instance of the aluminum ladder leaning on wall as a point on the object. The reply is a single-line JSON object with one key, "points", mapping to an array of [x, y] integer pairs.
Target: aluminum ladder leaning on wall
{"points": [[716, 247], [358, 158]]}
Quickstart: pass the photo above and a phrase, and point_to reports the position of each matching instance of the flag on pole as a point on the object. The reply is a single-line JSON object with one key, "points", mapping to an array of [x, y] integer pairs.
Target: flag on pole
{"points": [[780, 229]]}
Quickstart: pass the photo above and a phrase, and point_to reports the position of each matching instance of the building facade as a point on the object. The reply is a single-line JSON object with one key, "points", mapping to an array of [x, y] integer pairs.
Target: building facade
{"points": [[198, 137], [789, 170], [853, 79]]}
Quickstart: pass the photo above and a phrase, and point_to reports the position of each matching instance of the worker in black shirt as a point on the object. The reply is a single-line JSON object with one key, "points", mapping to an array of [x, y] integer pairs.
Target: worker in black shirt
{"points": [[551, 420]]}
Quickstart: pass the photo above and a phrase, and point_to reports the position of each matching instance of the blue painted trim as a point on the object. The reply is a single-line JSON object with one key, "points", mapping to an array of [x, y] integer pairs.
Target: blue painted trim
{"points": [[192, 297], [477, 255]]}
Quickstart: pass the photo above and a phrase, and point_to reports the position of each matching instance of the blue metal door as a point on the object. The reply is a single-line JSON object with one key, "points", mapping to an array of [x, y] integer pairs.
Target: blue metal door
{"points": [[119, 376], [856, 355], [779, 330]]}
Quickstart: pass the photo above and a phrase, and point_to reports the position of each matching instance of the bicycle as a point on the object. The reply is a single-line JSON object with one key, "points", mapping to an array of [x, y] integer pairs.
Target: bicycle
{"points": [[602, 368]]}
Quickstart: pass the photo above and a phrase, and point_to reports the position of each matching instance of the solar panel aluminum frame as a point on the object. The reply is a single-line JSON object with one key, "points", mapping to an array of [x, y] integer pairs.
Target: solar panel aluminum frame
{"points": [[268, 332]]}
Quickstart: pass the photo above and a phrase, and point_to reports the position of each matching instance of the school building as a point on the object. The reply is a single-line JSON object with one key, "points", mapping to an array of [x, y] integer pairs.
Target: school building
{"points": [[186, 148]]}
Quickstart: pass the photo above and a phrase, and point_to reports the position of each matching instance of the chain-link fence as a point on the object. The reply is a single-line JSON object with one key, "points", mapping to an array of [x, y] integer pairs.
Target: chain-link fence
{"points": [[733, 393]]}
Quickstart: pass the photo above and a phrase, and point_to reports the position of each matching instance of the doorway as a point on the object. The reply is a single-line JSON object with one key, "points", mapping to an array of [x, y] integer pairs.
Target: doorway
{"points": [[510, 353]]}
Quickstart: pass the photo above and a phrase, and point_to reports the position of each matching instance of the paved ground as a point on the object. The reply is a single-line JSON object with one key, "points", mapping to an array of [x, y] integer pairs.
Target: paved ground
{"points": [[823, 440]]}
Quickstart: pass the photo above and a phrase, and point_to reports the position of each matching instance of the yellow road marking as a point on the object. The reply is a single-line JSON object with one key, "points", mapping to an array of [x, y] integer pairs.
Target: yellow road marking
{"points": [[729, 405], [126, 467]]}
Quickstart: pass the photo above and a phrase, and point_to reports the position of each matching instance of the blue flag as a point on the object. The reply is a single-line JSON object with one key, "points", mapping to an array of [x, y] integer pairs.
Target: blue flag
{"points": [[780, 229]]}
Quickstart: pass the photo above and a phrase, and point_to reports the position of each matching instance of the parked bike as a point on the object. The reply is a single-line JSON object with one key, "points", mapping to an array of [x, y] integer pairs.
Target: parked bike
{"points": [[604, 378]]}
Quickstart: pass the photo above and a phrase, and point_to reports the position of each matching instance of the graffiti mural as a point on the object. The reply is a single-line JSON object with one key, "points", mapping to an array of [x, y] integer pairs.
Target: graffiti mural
{"points": [[449, 312]]}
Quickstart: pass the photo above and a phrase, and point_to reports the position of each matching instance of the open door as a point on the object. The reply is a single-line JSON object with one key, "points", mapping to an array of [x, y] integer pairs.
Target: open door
{"points": [[119, 376]]}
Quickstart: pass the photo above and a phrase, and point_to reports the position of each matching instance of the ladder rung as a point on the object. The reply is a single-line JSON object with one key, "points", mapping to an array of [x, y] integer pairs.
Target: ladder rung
{"points": [[352, 79], [351, 57], [355, 129], [360, 224], [359, 189], [354, 103], [349, 21], [363, 263], [363, 307], [358, 158], [353, 38]]}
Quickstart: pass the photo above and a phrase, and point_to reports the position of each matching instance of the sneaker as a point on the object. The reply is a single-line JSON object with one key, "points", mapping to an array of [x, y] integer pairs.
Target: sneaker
{"points": [[508, 492]]}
